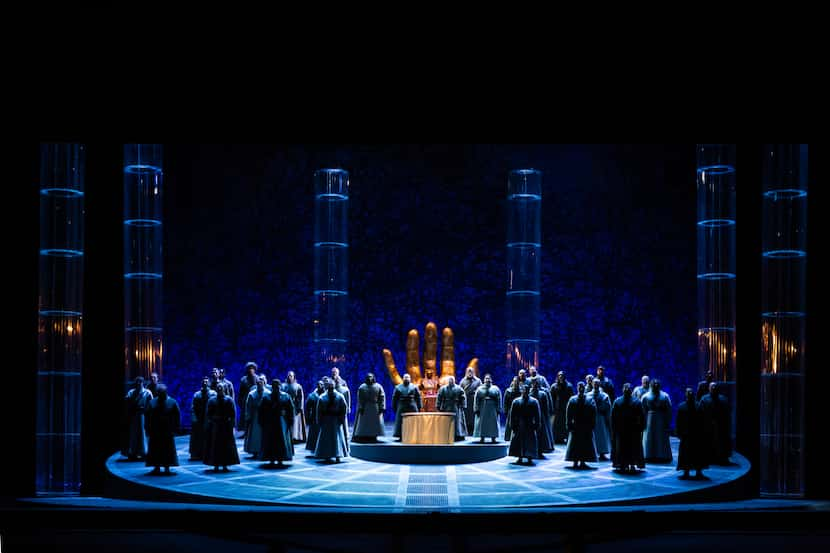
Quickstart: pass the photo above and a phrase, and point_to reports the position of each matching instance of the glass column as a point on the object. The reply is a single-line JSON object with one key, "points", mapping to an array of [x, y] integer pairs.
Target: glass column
{"points": [[524, 245], [60, 319], [331, 270], [716, 268], [783, 319], [143, 274]]}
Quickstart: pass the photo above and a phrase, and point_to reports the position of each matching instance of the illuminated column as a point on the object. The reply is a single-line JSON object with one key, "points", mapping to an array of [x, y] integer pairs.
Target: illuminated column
{"points": [[716, 262], [60, 314], [331, 269], [784, 314], [142, 260], [524, 245]]}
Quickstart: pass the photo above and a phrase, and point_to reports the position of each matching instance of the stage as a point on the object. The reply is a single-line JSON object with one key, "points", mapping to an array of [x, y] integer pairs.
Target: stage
{"points": [[396, 488]]}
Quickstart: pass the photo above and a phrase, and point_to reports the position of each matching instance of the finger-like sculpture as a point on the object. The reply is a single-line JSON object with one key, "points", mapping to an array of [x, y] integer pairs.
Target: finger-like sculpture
{"points": [[413, 364]]}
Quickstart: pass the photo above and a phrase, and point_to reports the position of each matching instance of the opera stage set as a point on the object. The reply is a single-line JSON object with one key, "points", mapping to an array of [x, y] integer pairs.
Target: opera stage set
{"points": [[464, 278]]}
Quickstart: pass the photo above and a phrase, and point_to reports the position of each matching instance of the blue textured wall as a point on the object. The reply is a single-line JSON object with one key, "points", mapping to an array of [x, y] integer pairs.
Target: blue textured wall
{"points": [[427, 228]]}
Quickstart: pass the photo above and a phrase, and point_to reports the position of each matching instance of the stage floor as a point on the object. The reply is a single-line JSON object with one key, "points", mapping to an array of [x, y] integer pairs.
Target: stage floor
{"points": [[354, 483]]}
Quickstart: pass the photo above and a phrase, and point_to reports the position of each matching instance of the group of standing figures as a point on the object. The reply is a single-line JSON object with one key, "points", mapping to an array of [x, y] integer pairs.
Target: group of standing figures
{"points": [[633, 428]]}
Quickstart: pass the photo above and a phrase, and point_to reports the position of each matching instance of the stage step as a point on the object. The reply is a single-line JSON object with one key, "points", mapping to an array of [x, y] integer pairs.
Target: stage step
{"points": [[468, 451]]}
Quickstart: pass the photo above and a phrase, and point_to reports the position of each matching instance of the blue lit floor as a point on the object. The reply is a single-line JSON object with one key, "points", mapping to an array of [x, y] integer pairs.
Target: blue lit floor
{"points": [[363, 485]]}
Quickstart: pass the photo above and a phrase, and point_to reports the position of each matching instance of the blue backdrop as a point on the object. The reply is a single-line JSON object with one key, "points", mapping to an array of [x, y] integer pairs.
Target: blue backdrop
{"points": [[427, 229]]}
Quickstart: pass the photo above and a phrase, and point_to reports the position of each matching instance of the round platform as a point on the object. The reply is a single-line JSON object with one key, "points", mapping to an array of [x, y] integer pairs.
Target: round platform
{"points": [[358, 484], [468, 451]]}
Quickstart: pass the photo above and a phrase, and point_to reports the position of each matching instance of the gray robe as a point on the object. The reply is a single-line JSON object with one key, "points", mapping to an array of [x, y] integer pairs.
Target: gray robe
{"points": [[311, 419], [639, 392], [198, 421], [543, 382], [487, 406], [295, 392], [510, 395], [602, 430], [581, 415], [371, 400], [137, 404], [656, 446], [470, 385], [405, 399], [163, 421], [246, 386], [331, 412], [627, 425], [717, 423], [253, 434], [525, 418], [454, 400], [220, 445], [276, 415], [228, 385], [607, 386], [561, 394], [693, 447], [341, 387], [545, 432]]}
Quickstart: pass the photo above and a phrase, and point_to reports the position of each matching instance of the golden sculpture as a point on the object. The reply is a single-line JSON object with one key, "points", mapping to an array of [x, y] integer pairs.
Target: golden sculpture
{"points": [[413, 364]]}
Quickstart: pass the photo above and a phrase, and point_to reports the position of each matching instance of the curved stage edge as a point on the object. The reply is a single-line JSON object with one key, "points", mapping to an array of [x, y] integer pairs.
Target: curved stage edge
{"points": [[354, 483]]}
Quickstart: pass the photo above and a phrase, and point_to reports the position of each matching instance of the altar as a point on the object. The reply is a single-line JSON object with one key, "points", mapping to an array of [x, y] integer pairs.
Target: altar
{"points": [[428, 427]]}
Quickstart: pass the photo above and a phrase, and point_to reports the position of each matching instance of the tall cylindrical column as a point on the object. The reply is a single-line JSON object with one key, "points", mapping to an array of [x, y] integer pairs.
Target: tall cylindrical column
{"points": [[783, 318], [331, 269], [142, 260], [716, 267], [60, 318], [524, 245]]}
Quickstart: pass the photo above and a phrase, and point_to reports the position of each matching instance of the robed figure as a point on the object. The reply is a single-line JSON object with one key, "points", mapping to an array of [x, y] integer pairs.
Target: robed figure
{"points": [[452, 399], [717, 425], [162, 423], [581, 416], [703, 386], [429, 391], [295, 392], [545, 433], [226, 384], [561, 392], [331, 412], [642, 389], [533, 374], [602, 429], [371, 404], [341, 387], [253, 429], [487, 408], [198, 420], [220, 446], [525, 419], [606, 384], [405, 399], [276, 416], [657, 409], [247, 385], [511, 394], [311, 416], [689, 426], [470, 384], [627, 425], [154, 384], [136, 403]]}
